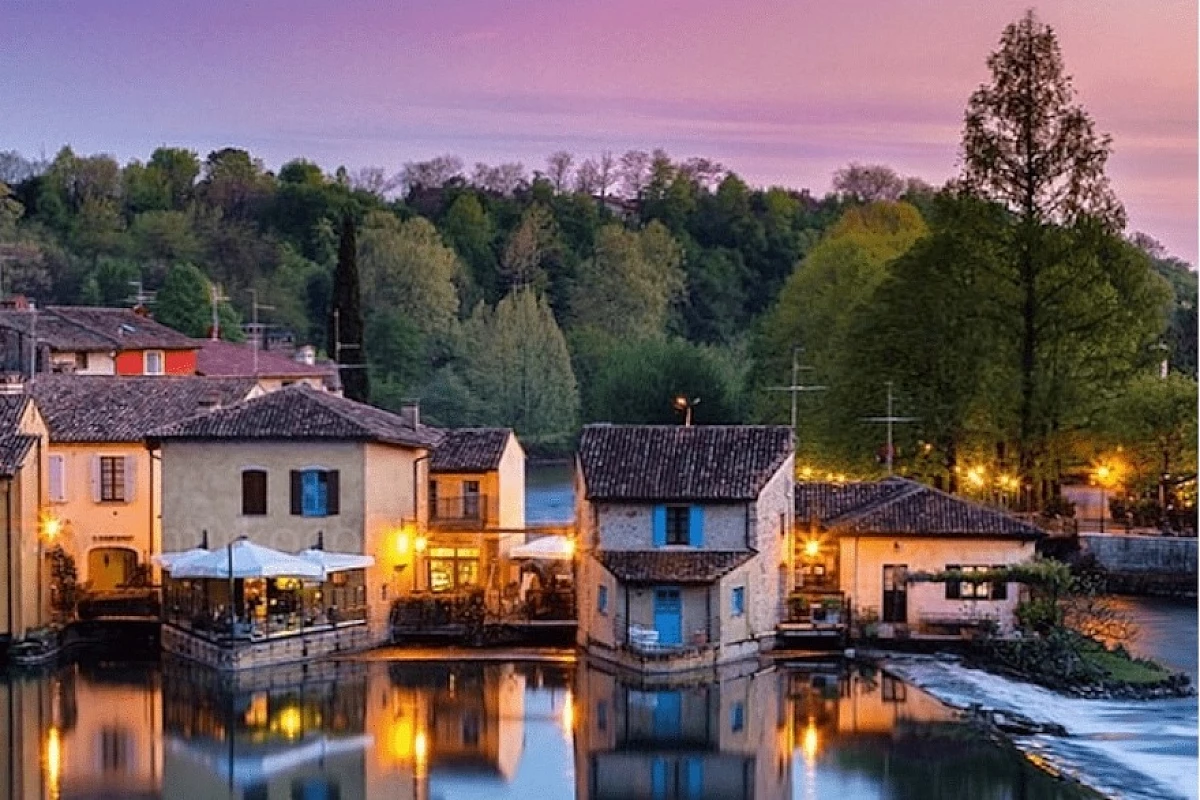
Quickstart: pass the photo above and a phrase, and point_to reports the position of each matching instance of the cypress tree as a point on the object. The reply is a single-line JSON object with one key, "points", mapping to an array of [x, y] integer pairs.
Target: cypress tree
{"points": [[346, 317]]}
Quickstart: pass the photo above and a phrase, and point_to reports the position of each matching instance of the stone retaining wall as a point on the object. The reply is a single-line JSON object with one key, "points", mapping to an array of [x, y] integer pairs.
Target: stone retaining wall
{"points": [[1142, 554], [269, 652]]}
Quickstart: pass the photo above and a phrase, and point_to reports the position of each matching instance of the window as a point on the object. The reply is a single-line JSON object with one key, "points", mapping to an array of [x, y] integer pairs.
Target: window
{"points": [[602, 715], [115, 749], [602, 599], [677, 525], [453, 568], [153, 362], [254, 492], [112, 479], [737, 601], [470, 499], [314, 493], [433, 499], [967, 590], [58, 478], [737, 717]]}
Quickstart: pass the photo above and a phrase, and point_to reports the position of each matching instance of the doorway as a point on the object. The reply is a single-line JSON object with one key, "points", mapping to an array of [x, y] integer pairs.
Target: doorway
{"points": [[110, 568], [668, 616], [895, 593]]}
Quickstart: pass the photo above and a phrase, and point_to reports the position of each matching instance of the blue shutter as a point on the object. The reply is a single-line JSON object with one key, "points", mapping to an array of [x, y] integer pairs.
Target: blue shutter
{"points": [[660, 526], [696, 526], [310, 482]]}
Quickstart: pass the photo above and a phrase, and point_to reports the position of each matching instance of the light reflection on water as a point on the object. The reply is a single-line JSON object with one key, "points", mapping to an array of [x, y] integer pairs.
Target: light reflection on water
{"points": [[506, 730]]}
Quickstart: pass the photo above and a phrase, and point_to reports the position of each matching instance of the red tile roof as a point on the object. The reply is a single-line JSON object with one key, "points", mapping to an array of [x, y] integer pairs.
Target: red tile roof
{"points": [[234, 359], [470, 450], [672, 566]]}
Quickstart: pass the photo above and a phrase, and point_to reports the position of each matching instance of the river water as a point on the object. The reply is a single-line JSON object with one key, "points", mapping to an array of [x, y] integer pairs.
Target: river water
{"points": [[113, 727]]}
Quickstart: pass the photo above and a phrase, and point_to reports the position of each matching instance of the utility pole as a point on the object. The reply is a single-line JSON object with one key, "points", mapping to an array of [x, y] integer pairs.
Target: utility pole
{"points": [[216, 297], [890, 420], [338, 347], [795, 388], [256, 330]]}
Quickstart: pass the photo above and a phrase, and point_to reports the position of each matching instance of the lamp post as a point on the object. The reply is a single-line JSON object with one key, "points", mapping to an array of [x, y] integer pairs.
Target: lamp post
{"points": [[682, 403]]}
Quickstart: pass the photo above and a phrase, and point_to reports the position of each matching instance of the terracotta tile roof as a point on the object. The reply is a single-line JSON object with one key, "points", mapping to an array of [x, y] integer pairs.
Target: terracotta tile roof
{"points": [[90, 329], [14, 445], [107, 408], [470, 450], [674, 462], [898, 506], [230, 359], [672, 566], [301, 412]]}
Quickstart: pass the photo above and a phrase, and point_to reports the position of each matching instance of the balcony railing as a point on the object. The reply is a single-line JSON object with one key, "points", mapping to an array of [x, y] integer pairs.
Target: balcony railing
{"points": [[464, 511]]}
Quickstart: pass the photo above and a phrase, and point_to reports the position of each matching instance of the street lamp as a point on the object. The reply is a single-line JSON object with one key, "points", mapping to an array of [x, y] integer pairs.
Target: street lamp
{"points": [[682, 403], [1106, 475]]}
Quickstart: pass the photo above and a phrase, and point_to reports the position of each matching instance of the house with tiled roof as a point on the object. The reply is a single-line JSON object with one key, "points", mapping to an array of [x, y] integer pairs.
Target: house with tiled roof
{"points": [[104, 487], [92, 341], [861, 544], [476, 509], [26, 599], [294, 469], [272, 369], [683, 541]]}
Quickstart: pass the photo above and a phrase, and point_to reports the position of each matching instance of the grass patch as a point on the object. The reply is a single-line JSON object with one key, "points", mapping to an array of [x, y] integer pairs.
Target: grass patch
{"points": [[1119, 666]]}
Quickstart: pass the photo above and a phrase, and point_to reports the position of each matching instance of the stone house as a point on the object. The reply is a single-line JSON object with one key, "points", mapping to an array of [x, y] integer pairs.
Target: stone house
{"points": [[684, 540], [298, 466], [865, 540], [28, 533]]}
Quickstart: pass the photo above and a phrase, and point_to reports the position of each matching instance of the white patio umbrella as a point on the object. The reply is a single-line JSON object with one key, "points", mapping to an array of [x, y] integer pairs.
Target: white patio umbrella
{"points": [[336, 562], [174, 561], [244, 559], [547, 548]]}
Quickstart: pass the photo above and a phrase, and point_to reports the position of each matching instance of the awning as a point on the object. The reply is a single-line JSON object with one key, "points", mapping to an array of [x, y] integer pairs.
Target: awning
{"points": [[547, 548], [337, 562], [173, 561], [244, 559]]}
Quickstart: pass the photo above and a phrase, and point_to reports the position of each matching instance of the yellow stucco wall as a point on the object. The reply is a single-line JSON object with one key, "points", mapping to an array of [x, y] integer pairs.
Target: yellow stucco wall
{"points": [[26, 601], [88, 524], [863, 559], [512, 485], [203, 491]]}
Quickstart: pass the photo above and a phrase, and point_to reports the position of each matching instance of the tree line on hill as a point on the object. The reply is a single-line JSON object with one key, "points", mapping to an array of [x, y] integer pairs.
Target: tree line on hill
{"points": [[1008, 312]]}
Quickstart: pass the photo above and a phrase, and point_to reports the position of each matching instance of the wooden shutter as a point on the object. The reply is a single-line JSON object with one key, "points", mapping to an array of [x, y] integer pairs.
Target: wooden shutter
{"points": [[130, 478], [659, 522], [95, 479], [953, 588], [332, 485], [696, 526], [297, 492], [58, 479]]}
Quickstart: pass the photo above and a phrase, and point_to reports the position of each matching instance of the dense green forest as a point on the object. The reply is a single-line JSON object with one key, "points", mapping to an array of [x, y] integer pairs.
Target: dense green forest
{"points": [[1024, 339]]}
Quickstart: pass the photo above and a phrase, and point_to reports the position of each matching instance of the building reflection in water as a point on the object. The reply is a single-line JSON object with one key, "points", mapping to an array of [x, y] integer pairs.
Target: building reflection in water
{"points": [[724, 739], [373, 730]]}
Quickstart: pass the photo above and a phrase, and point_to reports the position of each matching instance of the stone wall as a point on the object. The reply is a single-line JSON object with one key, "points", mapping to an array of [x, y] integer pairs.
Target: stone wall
{"points": [[1141, 554]]}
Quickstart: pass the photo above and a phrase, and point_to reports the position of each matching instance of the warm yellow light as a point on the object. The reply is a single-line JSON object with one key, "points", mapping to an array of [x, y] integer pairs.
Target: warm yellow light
{"points": [[290, 722], [400, 739], [421, 748], [806, 473], [812, 548], [681, 402], [975, 476], [420, 544], [53, 762], [1108, 474], [51, 527], [841, 477], [568, 715], [570, 547], [401, 542], [811, 742]]}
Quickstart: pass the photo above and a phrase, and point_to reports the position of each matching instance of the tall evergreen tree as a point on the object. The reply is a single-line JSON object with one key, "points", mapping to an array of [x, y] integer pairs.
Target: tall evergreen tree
{"points": [[346, 317]]}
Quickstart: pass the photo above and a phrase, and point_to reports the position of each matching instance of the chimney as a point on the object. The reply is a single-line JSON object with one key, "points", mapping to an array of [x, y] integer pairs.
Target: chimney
{"points": [[410, 412], [306, 355]]}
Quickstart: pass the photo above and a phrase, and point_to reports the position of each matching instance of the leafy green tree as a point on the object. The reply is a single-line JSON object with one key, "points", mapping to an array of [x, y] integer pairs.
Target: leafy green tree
{"points": [[532, 244], [345, 336], [1154, 421], [629, 285], [1029, 146], [178, 168], [164, 237], [517, 363], [114, 280], [469, 230], [235, 183], [715, 310], [638, 382], [819, 302], [407, 268], [184, 302]]}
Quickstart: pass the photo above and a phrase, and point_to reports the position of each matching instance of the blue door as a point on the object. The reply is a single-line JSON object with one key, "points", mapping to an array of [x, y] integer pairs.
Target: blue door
{"points": [[668, 716], [668, 616]]}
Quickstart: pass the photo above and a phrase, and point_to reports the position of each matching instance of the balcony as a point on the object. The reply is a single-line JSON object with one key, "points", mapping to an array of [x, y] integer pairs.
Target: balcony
{"points": [[464, 512]]}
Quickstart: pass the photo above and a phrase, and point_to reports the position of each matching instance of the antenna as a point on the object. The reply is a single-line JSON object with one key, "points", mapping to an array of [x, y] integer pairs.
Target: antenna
{"points": [[256, 330], [891, 419], [338, 347], [141, 297], [216, 297], [795, 388]]}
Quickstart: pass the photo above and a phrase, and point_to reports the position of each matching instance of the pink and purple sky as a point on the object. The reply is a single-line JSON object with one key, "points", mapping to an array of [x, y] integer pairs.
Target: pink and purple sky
{"points": [[781, 91]]}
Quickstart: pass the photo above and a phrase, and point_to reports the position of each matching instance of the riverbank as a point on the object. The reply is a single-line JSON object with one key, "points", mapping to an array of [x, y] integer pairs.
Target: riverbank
{"points": [[1143, 750]]}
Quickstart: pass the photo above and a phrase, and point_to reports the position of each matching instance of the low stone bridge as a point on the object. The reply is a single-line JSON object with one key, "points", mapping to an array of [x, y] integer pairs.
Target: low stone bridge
{"points": [[1144, 564]]}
